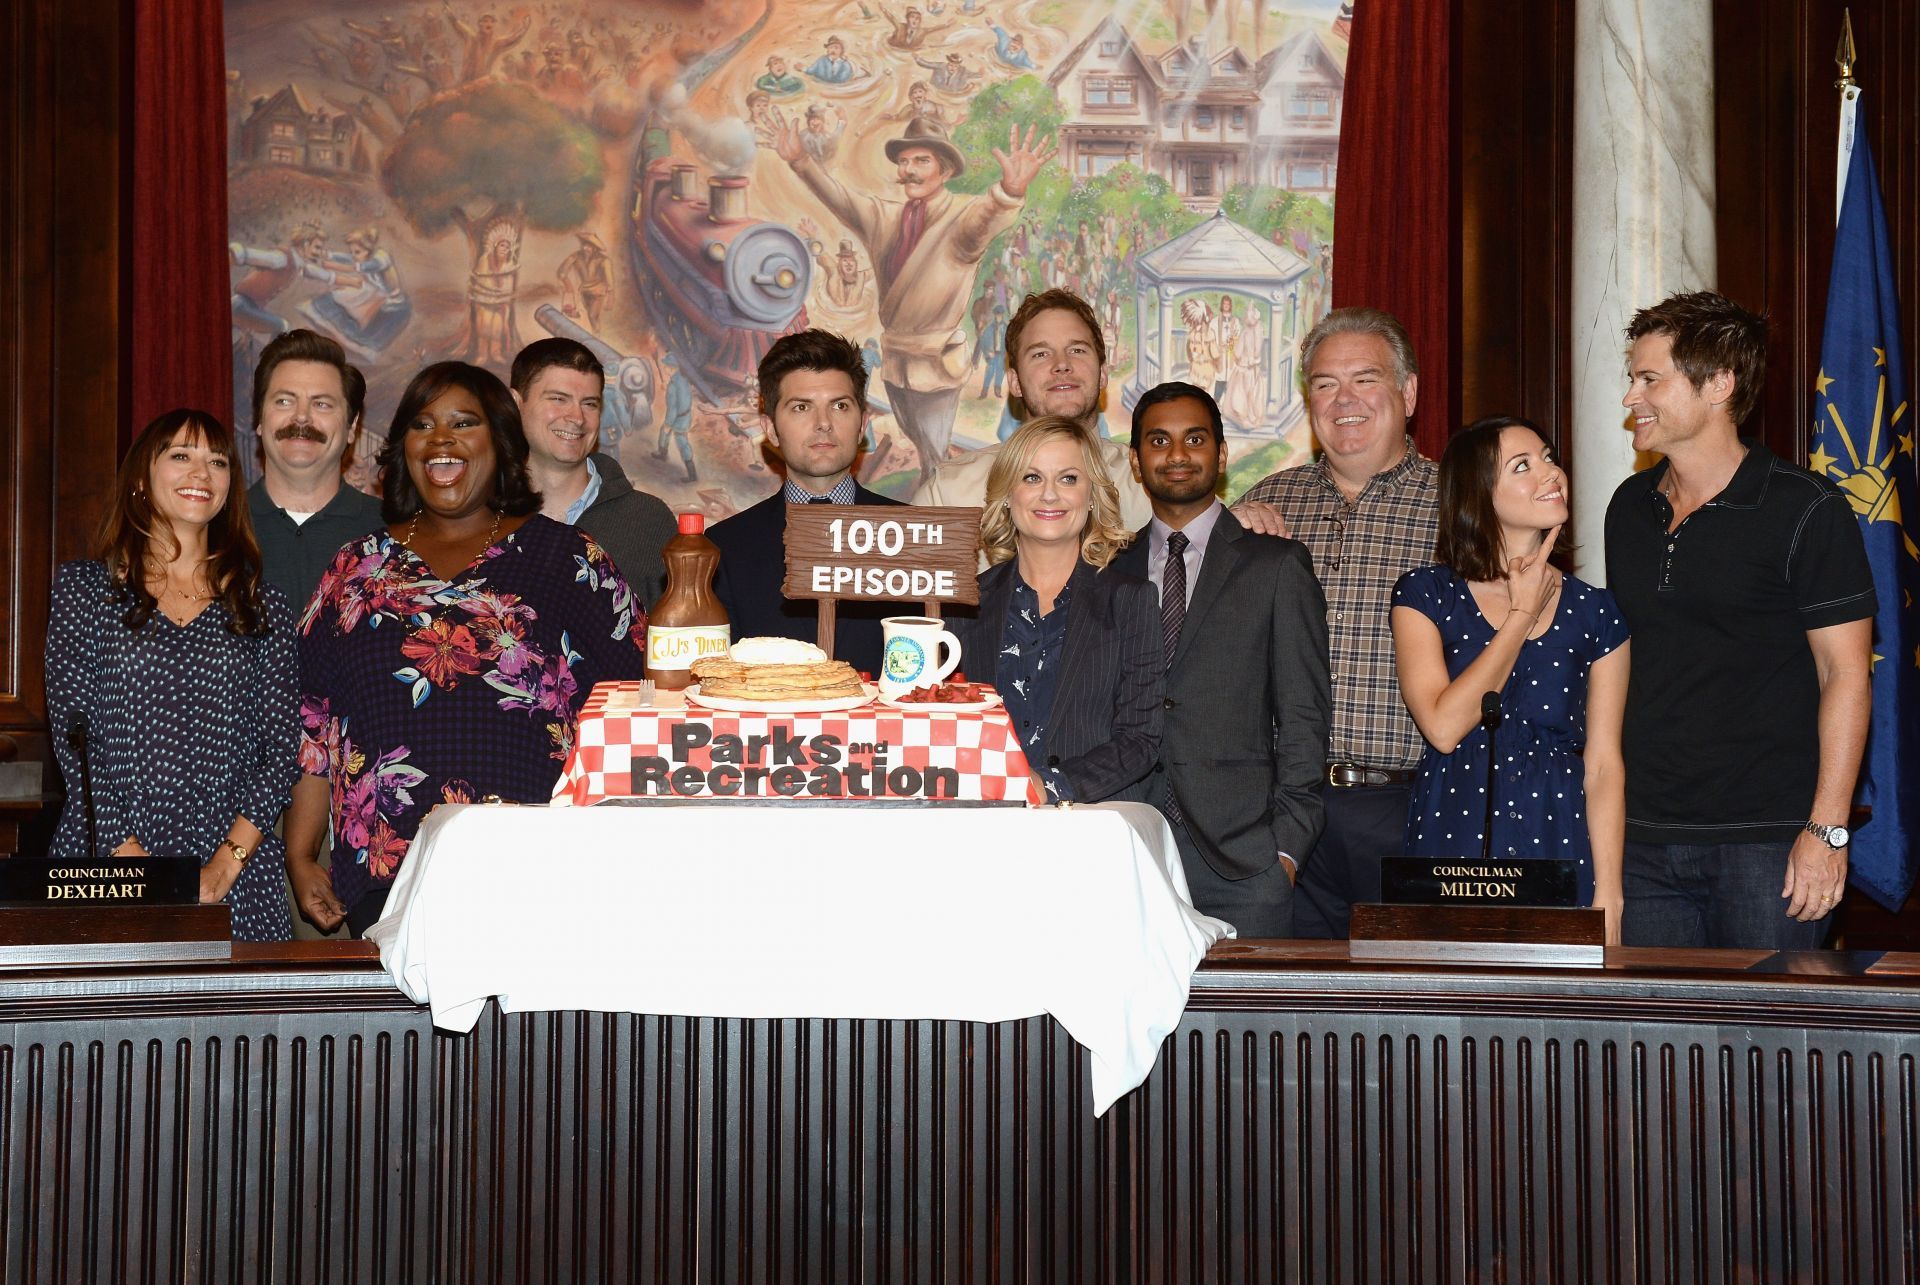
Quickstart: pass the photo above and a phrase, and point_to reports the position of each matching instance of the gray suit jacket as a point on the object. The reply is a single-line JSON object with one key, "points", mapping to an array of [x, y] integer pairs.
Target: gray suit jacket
{"points": [[1243, 744], [1103, 733]]}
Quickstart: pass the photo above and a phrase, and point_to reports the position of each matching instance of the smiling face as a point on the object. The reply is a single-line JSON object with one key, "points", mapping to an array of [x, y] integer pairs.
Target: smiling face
{"points": [[1052, 497], [815, 427], [1057, 370], [1359, 413], [449, 453], [1666, 409], [303, 425], [561, 415], [188, 480], [921, 173], [1176, 457], [1530, 489]]}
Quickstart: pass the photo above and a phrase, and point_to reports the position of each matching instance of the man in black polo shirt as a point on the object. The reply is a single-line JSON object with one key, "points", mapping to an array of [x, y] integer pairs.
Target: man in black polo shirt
{"points": [[306, 412], [1746, 584]]}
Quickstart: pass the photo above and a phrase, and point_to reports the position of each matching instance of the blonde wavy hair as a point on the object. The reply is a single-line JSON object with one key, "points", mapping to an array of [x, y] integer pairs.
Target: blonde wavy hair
{"points": [[1105, 534]]}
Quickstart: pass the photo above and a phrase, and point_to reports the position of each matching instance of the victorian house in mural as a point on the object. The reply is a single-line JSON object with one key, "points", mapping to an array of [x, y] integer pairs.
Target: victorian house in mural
{"points": [[287, 129], [1204, 119]]}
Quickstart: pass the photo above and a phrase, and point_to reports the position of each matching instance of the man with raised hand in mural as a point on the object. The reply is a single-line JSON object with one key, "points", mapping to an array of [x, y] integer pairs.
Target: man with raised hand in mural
{"points": [[925, 250]]}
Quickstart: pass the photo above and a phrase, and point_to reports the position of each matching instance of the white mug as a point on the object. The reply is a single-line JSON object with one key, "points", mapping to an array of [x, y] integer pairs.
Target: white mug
{"points": [[912, 657]]}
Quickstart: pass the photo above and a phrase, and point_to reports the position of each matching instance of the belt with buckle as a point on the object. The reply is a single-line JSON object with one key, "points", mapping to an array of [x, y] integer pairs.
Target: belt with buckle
{"points": [[1346, 776]]}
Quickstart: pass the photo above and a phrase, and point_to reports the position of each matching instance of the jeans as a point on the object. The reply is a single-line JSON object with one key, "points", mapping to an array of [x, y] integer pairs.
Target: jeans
{"points": [[1713, 894], [1364, 824], [1258, 906]]}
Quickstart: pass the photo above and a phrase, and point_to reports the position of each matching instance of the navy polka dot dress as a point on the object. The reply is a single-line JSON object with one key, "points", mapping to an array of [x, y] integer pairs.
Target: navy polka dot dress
{"points": [[190, 726], [1540, 804]]}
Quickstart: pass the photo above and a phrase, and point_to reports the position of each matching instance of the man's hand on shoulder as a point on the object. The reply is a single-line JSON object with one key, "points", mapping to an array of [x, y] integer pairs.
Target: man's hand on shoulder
{"points": [[1261, 519]]}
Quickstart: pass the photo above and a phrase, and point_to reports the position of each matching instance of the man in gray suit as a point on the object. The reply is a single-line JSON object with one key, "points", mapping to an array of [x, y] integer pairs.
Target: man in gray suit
{"points": [[1244, 732]]}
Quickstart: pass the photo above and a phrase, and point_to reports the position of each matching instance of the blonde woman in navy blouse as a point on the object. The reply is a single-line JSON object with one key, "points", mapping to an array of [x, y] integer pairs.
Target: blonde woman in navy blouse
{"points": [[184, 663]]}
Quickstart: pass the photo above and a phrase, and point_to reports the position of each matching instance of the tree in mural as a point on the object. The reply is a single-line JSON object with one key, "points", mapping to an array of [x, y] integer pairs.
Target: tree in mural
{"points": [[493, 160]]}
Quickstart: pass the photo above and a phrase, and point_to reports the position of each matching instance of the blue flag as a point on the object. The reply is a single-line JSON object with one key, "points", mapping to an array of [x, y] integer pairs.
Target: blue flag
{"points": [[1863, 439]]}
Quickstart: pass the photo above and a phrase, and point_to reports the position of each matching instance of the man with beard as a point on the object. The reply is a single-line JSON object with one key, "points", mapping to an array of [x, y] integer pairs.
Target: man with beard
{"points": [[306, 412], [925, 251], [1243, 742]]}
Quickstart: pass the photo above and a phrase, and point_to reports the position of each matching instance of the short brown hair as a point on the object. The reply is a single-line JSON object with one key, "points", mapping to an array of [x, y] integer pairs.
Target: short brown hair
{"points": [[1711, 333], [1046, 301], [308, 345], [811, 350], [544, 354]]}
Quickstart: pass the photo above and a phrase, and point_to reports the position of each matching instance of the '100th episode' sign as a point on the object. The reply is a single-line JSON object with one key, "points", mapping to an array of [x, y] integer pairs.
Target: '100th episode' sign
{"points": [[881, 553]]}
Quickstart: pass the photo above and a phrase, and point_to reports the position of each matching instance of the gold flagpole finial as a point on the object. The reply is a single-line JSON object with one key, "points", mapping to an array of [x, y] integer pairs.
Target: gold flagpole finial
{"points": [[1845, 56]]}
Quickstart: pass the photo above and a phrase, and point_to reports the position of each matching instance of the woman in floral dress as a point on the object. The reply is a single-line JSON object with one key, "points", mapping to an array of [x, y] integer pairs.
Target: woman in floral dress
{"points": [[446, 657]]}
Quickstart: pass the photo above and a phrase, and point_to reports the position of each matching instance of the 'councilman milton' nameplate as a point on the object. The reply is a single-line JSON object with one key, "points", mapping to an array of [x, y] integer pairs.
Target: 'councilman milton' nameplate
{"points": [[110, 881], [1453, 881], [882, 553]]}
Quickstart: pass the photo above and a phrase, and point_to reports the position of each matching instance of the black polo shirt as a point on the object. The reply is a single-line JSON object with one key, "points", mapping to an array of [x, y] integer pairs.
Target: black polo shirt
{"points": [[296, 554], [1722, 724]]}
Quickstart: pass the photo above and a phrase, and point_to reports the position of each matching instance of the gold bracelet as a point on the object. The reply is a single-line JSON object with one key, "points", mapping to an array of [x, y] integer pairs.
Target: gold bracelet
{"points": [[239, 850]]}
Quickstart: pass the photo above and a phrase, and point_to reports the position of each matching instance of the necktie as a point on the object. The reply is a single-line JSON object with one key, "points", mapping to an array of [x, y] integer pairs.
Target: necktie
{"points": [[1173, 614], [913, 221]]}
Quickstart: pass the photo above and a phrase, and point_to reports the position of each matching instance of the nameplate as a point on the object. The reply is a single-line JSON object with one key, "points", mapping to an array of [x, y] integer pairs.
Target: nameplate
{"points": [[1451, 881], [882, 553], [110, 881]]}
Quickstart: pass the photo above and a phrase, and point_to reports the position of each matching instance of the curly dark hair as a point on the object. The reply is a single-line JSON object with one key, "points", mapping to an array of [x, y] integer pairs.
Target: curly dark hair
{"points": [[133, 537], [1711, 333], [1468, 539], [513, 493]]}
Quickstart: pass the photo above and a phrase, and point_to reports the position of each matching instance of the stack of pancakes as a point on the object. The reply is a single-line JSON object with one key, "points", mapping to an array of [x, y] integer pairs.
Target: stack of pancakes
{"points": [[791, 671]]}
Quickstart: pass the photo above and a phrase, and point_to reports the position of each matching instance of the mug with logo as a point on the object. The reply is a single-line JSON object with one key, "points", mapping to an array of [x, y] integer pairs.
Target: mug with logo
{"points": [[913, 656]]}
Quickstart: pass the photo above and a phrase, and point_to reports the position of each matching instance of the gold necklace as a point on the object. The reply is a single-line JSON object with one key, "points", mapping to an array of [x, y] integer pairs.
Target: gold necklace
{"points": [[406, 541]]}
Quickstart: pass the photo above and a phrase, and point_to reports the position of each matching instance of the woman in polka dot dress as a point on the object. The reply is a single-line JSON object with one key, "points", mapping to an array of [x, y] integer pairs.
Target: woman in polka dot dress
{"points": [[1496, 615], [186, 666]]}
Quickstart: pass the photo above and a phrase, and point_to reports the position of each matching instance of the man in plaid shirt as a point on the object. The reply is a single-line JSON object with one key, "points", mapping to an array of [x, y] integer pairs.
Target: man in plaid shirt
{"points": [[1367, 510]]}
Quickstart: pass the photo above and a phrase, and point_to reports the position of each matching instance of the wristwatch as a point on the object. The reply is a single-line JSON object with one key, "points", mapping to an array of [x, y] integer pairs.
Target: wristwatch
{"points": [[241, 852], [1834, 836]]}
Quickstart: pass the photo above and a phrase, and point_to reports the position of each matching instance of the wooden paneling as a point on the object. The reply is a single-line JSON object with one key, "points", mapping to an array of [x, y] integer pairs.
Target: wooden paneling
{"points": [[62, 68], [1777, 121], [1514, 123]]}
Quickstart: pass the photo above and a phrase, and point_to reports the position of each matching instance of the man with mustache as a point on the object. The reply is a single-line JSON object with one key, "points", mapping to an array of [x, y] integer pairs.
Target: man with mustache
{"points": [[307, 403], [925, 251], [1367, 509]]}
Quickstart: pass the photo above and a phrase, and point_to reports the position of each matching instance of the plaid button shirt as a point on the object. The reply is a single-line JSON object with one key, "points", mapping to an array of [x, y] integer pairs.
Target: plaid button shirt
{"points": [[1359, 551]]}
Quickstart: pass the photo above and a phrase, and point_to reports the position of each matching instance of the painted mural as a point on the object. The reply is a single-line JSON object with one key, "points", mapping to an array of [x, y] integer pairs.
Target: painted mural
{"points": [[676, 184]]}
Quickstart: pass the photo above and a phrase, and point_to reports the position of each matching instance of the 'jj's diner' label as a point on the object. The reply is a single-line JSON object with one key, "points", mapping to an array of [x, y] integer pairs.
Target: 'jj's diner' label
{"points": [[672, 648]]}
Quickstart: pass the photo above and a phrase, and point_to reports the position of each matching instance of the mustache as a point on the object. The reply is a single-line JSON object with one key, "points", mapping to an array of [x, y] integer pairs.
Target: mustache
{"points": [[299, 432]]}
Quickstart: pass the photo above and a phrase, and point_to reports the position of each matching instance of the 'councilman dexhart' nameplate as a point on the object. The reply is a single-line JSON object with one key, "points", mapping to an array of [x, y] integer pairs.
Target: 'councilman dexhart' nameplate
{"points": [[110, 881], [1453, 881], [884, 553]]}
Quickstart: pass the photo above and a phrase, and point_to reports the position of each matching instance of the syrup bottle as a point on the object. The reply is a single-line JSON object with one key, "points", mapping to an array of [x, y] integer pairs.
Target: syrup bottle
{"points": [[688, 622]]}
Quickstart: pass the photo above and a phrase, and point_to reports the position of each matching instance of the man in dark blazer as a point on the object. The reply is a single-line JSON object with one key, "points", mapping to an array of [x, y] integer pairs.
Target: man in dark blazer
{"points": [[1244, 735], [813, 404]]}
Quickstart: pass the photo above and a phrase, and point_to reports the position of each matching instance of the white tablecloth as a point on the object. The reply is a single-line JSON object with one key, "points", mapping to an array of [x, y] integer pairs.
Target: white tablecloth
{"points": [[705, 910]]}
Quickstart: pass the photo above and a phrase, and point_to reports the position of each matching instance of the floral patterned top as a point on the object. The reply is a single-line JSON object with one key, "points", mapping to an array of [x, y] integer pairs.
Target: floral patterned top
{"points": [[418, 690]]}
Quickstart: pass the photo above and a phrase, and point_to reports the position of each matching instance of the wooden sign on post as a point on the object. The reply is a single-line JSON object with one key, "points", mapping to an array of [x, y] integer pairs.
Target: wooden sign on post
{"points": [[881, 553]]}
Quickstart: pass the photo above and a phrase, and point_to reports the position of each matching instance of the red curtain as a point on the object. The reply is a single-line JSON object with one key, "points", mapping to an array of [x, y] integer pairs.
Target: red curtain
{"points": [[1393, 229], [182, 353]]}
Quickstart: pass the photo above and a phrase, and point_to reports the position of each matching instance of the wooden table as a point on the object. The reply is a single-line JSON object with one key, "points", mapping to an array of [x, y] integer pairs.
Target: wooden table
{"points": [[1313, 1118]]}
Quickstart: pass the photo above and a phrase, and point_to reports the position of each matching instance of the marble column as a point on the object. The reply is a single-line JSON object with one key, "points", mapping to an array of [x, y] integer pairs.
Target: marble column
{"points": [[1643, 204]]}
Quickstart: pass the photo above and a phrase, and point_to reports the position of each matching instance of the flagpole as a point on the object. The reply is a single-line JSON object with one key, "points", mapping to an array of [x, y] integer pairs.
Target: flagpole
{"points": [[1844, 57]]}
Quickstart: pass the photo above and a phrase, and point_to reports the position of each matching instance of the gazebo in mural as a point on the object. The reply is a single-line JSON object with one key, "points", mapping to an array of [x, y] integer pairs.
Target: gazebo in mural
{"points": [[1179, 315]]}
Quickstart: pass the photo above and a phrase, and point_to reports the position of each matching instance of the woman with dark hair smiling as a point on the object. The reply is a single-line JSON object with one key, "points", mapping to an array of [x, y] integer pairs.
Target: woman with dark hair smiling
{"points": [[445, 658], [182, 665], [1496, 615]]}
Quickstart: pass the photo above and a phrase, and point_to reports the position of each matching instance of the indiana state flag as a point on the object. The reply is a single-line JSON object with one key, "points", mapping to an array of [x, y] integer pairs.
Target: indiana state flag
{"points": [[1863, 439]]}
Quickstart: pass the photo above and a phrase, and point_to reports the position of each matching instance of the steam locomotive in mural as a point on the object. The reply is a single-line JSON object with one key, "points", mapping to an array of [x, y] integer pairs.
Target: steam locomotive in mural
{"points": [[718, 285]]}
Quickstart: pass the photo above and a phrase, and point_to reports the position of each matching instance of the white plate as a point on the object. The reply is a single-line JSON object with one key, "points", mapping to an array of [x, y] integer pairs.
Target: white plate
{"points": [[993, 701], [727, 705]]}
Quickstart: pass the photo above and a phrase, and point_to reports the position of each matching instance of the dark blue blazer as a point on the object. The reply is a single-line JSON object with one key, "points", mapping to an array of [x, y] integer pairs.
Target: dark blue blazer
{"points": [[1244, 744], [1103, 732], [753, 565]]}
